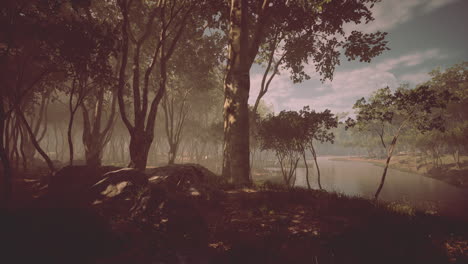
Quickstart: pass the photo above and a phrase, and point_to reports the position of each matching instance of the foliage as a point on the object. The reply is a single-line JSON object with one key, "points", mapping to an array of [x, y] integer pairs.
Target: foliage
{"points": [[319, 124], [290, 133], [405, 107], [453, 80], [398, 111], [286, 135], [311, 32]]}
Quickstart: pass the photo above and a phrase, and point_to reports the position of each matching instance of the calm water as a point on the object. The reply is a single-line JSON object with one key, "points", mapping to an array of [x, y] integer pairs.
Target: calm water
{"points": [[362, 179]]}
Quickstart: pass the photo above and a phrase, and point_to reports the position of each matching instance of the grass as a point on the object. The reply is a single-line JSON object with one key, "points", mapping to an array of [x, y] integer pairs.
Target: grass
{"points": [[272, 224], [265, 223]]}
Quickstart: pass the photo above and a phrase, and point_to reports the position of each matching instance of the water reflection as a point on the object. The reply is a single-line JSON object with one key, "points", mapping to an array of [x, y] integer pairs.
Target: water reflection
{"points": [[362, 179]]}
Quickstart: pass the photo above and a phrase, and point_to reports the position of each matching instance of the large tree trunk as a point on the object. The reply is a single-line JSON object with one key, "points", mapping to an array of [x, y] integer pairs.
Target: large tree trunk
{"points": [[139, 147], [236, 165], [93, 153]]}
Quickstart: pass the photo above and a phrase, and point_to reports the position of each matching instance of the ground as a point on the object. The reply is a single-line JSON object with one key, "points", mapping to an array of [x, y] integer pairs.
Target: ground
{"points": [[189, 216]]}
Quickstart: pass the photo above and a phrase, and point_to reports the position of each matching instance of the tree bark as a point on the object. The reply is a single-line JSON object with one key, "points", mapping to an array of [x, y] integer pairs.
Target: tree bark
{"points": [[314, 154], [6, 185], [236, 165], [139, 147], [94, 140], [142, 131], [387, 163], [307, 169], [70, 138], [174, 124], [265, 84], [35, 143]]}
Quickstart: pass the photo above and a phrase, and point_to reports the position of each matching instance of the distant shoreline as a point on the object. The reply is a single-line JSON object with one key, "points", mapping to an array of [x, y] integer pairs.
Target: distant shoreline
{"points": [[448, 174]]}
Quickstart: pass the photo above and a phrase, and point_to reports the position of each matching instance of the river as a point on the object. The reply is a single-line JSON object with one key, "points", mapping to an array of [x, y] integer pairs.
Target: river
{"points": [[356, 178]]}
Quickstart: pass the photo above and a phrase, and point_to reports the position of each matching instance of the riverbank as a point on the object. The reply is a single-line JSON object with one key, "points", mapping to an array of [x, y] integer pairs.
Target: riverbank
{"points": [[447, 172], [222, 224]]}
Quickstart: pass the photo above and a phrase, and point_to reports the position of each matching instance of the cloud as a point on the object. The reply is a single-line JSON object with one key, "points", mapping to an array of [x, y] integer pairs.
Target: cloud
{"points": [[280, 88], [349, 85], [389, 14], [415, 78], [345, 89], [410, 60]]}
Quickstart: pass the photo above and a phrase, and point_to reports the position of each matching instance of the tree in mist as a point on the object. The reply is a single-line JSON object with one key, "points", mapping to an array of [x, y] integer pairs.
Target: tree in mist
{"points": [[317, 126], [190, 85], [299, 30], [150, 33], [29, 54], [453, 80], [89, 71], [396, 112]]}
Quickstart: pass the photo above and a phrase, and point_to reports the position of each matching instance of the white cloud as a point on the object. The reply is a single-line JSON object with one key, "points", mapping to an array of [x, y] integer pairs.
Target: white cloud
{"points": [[280, 88], [415, 78], [412, 59], [346, 88], [350, 85], [390, 13]]}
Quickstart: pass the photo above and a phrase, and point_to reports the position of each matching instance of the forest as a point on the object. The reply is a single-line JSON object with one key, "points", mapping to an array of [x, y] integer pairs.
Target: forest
{"points": [[131, 132]]}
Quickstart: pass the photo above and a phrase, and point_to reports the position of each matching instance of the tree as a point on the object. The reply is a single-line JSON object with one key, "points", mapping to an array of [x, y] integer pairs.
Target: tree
{"points": [[184, 94], [150, 31], [398, 111], [454, 80], [318, 127], [28, 55], [300, 30], [286, 135], [95, 138]]}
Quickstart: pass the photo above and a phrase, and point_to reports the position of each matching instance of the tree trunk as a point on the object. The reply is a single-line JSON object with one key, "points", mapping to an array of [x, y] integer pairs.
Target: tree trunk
{"points": [[35, 143], [172, 153], [307, 169], [94, 140], [69, 137], [139, 147], [93, 153], [265, 84], [314, 154], [236, 165], [23, 154], [387, 163], [456, 157], [6, 185], [252, 157], [56, 142]]}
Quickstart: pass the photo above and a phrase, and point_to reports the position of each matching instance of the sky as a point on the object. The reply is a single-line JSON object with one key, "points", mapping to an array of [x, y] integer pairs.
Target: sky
{"points": [[422, 35]]}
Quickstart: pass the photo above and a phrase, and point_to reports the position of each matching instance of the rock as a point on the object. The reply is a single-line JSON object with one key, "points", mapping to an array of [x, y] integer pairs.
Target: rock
{"points": [[191, 179], [71, 182], [118, 185]]}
